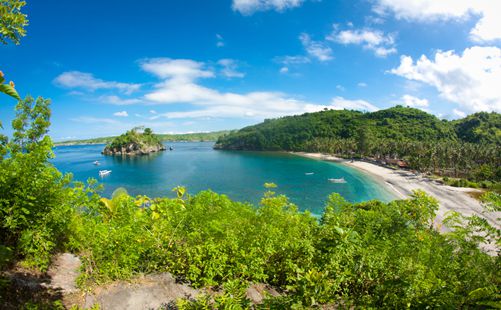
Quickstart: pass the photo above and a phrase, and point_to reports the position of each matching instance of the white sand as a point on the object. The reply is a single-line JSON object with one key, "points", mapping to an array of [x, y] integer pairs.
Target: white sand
{"points": [[402, 183]]}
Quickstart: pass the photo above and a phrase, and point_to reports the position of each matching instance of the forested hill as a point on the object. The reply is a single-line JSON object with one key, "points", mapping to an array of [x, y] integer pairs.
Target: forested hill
{"points": [[191, 137], [296, 133]]}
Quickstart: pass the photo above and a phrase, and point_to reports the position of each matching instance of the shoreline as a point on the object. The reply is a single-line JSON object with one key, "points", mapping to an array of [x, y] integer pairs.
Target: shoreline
{"points": [[402, 183]]}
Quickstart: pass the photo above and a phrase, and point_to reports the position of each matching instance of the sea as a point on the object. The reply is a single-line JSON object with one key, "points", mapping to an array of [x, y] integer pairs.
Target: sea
{"points": [[240, 175]]}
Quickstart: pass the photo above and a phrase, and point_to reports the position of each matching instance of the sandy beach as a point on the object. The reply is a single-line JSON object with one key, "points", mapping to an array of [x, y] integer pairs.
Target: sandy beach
{"points": [[403, 183]]}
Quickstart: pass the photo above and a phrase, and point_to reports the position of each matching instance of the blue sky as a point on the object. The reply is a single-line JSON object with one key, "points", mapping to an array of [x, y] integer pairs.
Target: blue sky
{"points": [[191, 66]]}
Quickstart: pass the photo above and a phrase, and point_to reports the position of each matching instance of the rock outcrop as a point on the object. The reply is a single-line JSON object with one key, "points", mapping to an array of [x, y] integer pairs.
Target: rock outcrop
{"points": [[133, 149]]}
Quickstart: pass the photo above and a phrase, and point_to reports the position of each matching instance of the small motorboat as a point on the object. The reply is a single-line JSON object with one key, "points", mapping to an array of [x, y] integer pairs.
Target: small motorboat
{"points": [[341, 180], [97, 163], [171, 148], [309, 173], [103, 173]]}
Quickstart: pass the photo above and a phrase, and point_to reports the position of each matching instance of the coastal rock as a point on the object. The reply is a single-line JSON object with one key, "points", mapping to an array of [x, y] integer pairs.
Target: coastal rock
{"points": [[133, 149]]}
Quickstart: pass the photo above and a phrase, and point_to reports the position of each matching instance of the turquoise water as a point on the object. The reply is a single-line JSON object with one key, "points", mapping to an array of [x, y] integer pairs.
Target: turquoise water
{"points": [[240, 175]]}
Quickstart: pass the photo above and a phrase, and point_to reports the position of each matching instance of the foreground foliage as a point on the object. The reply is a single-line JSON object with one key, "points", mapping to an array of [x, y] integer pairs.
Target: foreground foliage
{"points": [[370, 254]]}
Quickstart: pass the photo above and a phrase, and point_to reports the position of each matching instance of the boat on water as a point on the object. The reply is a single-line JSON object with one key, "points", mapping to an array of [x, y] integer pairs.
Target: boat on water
{"points": [[97, 163], [103, 173], [171, 148], [309, 173], [341, 180]]}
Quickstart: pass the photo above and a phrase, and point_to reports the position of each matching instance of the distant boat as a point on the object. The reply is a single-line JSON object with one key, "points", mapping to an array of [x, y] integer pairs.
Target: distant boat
{"points": [[171, 148], [309, 173], [97, 163], [341, 180], [103, 173]]}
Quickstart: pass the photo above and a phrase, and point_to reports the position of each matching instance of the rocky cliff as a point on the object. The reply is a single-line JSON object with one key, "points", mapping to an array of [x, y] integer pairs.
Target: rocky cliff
{"points": [[133, 149]]}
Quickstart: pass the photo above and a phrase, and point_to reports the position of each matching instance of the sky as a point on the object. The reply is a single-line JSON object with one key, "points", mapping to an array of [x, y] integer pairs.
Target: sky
{"points": [[197, 65]]}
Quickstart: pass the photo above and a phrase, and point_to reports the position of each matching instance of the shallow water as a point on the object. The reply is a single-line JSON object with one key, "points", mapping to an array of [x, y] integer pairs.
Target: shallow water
{"points": [[240, 175]]}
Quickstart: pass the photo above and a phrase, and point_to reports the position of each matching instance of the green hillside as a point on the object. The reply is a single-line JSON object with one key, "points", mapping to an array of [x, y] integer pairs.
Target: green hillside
{"points": [[480, 127], [292, 132], [468, 148]]}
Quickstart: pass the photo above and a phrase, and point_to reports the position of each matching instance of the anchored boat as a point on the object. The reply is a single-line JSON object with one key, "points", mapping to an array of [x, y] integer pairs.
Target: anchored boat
{"points": [[103, 173], [341, 180]]}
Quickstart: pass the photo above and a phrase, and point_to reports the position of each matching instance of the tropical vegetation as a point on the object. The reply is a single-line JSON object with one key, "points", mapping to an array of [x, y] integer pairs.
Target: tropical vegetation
{"points": [[468, 148], [365, 255], [346, 258]]}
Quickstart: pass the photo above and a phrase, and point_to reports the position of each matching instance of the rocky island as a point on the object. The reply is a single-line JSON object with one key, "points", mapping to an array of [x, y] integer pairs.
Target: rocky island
{"points": [[137, 141]]}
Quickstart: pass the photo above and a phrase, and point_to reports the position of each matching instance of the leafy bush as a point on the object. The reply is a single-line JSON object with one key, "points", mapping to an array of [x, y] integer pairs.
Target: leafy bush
{"points": [[34, 205], [370, 254]]}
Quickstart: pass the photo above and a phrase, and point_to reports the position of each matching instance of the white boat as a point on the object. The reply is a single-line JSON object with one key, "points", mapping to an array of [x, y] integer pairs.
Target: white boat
{"points": [[97, 163], [309, 173], [103, 173], [341, 180]]}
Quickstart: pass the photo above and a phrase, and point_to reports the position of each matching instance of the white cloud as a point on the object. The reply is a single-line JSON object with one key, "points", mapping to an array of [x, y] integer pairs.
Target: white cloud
{"points": [[153, 112], [179, 69], [284, 70], [248, 7], [121, 114], [470, 80], [219, 40], [458, 113], [292, 60], [380, 43], [340, 87], [95, 120], [112, 99], [340, 103], [230, 68], [316, 49], [362, 84], [181, 86], [76, 79], [415, 102], [116, 127], [487, 28]]}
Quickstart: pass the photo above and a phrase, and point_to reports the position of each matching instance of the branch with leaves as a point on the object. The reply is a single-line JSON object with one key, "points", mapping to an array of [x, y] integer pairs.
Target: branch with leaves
{"points": [[12, 21]]}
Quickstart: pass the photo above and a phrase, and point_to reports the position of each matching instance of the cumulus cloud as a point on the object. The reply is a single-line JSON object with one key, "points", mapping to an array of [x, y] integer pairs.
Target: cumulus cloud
{"points": [[230, 68], [121, 114], [86, 81], [179, 69], [182, 86], [362, 84], [458, 113], [340, 103], [470, 79], [380, 43], [487, 28], [284, 70], [116, 100], [415, 102], [316, 49], [248, 7]]}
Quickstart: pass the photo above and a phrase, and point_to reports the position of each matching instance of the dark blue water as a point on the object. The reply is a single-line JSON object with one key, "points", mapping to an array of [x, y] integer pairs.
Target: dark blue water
{"points": [[240, 175]]}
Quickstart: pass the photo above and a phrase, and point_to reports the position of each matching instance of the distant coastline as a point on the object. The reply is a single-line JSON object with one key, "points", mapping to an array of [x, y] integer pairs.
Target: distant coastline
{"points": [[186, 137]]}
